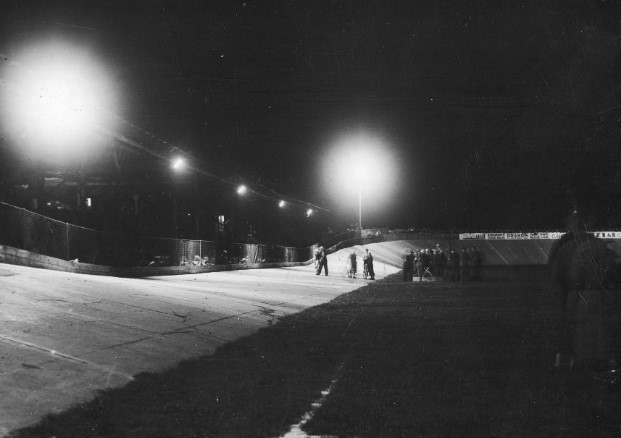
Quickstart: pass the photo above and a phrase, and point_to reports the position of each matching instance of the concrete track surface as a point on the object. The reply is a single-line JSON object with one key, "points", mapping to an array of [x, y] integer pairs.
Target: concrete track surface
{"points": [[65, 336]]}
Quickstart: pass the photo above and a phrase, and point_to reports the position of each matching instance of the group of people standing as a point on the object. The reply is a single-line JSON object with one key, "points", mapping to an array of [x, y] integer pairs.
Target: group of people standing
{"points": [[462, 265], [459, 265], [367, 263], [321, 263]]}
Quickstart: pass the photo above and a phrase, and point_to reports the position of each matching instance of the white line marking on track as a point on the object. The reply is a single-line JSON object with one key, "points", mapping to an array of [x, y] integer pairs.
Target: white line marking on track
{"points": [[58, 354]]}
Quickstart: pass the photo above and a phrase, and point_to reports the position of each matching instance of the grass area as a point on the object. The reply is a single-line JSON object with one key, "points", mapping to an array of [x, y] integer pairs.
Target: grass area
{"points": [[406, 359]]}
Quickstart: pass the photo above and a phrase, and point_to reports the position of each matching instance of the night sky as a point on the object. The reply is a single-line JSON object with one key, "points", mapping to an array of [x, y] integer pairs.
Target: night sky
{"points": [[497, 114]]}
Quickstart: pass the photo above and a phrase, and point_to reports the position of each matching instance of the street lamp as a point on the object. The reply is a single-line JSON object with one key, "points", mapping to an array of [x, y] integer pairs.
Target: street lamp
{"points": [[178, 164], [56, 98], [358, 162]]}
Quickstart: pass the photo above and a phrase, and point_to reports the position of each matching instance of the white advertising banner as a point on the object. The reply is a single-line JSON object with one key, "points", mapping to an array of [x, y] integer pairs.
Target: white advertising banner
{"points": [[517, 236], [608, 234], [531, 236], [495, 236], [472, 236]]}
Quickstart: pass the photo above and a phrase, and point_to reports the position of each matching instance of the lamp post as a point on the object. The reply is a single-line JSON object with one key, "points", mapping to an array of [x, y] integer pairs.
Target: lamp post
{"points": [[360, 199], [178, 165], [356, 162], [55, 99]]}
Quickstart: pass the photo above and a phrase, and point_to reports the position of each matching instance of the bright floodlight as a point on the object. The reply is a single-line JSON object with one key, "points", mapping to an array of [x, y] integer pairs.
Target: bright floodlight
{"points": [[242, 189], [55, 97], [360, 169], [178, 164]]}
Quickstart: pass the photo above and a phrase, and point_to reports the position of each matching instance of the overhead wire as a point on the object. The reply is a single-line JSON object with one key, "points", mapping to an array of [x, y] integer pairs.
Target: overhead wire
{"points": [[165, 154]]}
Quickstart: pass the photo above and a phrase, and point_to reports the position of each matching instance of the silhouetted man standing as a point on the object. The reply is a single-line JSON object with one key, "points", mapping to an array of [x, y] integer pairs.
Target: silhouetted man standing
{"points": [[408, 267], [368, 261], [323, 261]]}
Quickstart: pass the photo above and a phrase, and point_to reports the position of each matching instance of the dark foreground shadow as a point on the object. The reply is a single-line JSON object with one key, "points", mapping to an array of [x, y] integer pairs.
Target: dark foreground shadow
{"points": [[404, 359]]}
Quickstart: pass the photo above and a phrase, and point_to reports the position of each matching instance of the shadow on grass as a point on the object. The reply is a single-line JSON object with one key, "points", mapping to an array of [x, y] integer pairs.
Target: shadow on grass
{"points": [[433, 359]]}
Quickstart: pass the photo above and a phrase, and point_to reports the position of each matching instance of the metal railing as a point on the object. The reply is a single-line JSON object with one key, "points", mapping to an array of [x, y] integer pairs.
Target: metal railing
{"points": [[24, 229]]}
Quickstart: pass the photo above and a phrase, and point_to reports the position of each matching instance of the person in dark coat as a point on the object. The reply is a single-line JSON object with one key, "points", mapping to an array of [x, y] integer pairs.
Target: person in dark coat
{"points": [[368, 262], [581, 268], [418, 263], [435, 262], [352, 265], [454, 263], [323, 261], [408, 267], [425, 263], [442, 261], [464, 263]]}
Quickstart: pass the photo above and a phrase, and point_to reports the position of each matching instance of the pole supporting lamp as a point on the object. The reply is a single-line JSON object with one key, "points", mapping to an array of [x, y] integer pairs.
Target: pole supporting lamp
{"points": [[360, 174]]}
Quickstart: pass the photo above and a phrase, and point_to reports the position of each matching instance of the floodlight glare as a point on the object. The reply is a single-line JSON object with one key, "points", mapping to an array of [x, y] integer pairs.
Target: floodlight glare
{"points": [[242, 189], [359, 168], [178, 164], [55, 97]]}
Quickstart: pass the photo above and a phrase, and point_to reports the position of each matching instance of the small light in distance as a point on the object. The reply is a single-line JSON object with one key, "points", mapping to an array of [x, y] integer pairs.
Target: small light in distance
{"points": [[242, 189], [178, 164], [309, 212], [282, 204]]}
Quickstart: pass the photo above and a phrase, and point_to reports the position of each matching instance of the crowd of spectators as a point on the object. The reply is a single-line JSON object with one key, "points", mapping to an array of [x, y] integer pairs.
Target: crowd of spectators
{"points": [[433, 263]]}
